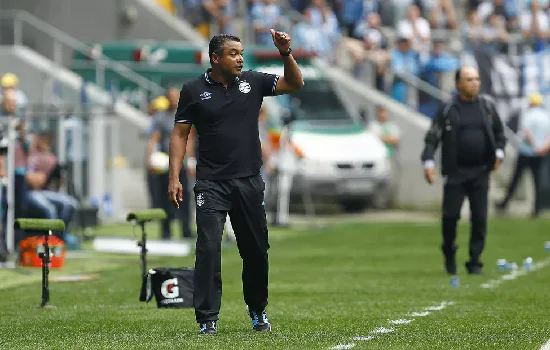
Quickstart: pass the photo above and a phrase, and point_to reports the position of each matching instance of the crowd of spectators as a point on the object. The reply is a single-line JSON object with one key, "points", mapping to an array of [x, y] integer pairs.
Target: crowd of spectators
{"points": [[388, 42], [38, 174]]}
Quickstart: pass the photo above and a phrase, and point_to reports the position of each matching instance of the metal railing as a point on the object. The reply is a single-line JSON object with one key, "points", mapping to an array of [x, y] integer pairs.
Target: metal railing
{"points": [[162, 66], [63, 41], [86, 145]]}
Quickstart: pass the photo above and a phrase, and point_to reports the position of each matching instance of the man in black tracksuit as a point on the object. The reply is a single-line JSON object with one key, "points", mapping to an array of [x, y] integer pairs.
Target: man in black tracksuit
{"points": [[160, 137], [224, 104], [473, 141]]}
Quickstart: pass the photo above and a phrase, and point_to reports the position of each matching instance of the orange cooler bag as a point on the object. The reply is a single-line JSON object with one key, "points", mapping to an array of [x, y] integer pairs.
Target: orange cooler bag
{"points": [[30, 247]]}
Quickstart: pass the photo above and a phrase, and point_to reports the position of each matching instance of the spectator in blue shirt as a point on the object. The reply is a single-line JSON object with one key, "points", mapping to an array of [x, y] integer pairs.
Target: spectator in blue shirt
{"points": [[265, 14], [404, 60], [432, 68], [350, 15]]}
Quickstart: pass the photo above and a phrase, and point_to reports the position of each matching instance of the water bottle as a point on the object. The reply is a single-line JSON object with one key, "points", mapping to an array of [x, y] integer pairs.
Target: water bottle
{"points": [[502, 264], [528, 263], [547, 246], [511, 266], [107, 205], [455, 282]]}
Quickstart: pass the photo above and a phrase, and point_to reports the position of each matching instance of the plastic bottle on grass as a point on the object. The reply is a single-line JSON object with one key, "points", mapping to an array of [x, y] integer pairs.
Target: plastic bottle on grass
{"points": [[502, 264], [455, 281]]}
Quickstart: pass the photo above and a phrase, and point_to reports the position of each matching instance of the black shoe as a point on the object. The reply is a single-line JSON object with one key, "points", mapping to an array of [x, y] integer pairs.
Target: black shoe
{"points": [[260, 322], [209, 327], [474, 268], [450, 265]]}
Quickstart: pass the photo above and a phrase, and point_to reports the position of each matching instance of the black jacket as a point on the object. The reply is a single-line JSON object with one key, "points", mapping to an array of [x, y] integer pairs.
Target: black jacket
{"points": [[444, 128]]}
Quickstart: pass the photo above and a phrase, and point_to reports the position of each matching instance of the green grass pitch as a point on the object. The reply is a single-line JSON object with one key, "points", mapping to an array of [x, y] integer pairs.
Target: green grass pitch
{"points": [[327, 287]]}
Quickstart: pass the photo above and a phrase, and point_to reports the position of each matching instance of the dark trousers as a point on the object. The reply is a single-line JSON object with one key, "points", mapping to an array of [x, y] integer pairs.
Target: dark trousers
{"points": [[522, 163], [151, 188], [456, 188], [161, 200], [243, 199]]}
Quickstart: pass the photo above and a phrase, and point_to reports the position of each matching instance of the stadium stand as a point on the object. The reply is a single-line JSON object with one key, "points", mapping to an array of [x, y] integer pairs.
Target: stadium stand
{"points": [[403, 47]]}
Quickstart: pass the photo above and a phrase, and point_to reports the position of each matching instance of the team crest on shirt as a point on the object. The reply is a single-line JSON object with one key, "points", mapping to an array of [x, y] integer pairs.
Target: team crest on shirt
{"points": [[244, 87], [200, 199], [206, 95]]}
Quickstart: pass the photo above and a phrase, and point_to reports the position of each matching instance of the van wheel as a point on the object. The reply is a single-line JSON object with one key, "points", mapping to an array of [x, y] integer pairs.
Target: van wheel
{"points": [[354, 205]]}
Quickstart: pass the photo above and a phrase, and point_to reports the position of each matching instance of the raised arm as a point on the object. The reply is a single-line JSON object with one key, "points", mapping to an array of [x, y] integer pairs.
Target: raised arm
{"points": [[292, 80]]}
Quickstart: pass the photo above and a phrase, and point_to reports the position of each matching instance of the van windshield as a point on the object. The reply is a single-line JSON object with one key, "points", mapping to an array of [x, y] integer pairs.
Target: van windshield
{"points": [[316, 101]]}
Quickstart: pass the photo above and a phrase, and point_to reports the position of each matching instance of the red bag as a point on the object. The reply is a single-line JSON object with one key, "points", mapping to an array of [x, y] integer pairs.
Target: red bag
{"points": [[30, 247]]}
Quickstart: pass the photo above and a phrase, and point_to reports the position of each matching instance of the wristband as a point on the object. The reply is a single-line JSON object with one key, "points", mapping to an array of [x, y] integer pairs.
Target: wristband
{"points": [[286, 53], [429, 164]]}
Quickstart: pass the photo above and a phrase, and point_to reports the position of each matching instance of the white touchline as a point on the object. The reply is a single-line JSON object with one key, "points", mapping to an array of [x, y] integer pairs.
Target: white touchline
{"points": [[515, 274], [382, 330], [546, 346], [363, 338], [401, 321], [419, 314], [342, 346], [489, 284]]}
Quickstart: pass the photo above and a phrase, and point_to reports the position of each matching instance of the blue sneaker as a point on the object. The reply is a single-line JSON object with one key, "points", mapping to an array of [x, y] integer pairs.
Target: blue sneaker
{"points": [[209, 327], [260, 322]]}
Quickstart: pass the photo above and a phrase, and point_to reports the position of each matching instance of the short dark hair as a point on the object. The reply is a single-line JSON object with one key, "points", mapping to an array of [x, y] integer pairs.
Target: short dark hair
{"points": [[217, 42], [458, 73]]}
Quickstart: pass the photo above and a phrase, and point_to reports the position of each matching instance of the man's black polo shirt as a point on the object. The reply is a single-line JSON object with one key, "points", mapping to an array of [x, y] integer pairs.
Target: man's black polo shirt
{"points": [[227, 123]]}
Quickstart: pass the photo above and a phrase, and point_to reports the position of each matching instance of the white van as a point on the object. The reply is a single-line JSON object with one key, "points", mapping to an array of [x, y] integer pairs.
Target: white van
{"points": [[337, 158]]}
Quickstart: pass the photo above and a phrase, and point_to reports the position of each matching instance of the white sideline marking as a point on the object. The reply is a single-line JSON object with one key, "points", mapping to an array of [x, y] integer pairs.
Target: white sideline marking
{"points": [[401, 321], [440, 306], [515, 274], [343, 346], [419, 314], [489, 284], [382, 330], [546, 346], [363, 338]]}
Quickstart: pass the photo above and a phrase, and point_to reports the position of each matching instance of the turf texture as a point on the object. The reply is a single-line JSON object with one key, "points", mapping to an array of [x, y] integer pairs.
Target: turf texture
{"points": [[326, 287]]}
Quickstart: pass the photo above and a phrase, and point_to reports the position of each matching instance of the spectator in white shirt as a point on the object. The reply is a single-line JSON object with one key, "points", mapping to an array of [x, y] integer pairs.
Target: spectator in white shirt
{"points": [[495, 34], [472, 32], [535, 134], [266, 14], [442, 14], [535, 25], [416, 29]]}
